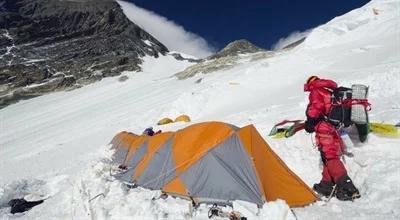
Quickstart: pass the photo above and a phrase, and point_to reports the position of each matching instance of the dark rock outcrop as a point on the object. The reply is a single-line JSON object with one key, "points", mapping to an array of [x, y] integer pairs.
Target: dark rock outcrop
{"points": [[236, 47], [178, 56], [294, 44], [66, 44], [226, 58]]}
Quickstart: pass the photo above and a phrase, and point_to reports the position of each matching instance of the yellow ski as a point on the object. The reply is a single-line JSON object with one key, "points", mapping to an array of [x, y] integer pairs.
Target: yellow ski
{"points": [[383, 129]]}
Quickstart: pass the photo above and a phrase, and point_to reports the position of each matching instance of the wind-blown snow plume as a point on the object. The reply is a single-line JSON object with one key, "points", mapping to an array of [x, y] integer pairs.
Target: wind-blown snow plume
{"points": [[293, 37], [172, 35]]}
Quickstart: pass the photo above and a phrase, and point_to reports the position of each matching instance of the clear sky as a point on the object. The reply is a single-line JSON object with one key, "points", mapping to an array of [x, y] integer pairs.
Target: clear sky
{"points": [[263, 22]]}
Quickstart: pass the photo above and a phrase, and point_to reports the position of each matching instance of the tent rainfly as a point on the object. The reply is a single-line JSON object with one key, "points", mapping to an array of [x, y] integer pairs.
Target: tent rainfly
{"points": [[182, 118], [211, 162], [164, 121]]}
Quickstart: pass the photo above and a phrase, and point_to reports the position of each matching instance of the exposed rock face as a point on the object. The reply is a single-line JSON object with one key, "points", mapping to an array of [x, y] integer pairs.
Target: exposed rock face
{"points": [[66, 43], [236, 47], [294, 44], [178, 56], [226, 58]]}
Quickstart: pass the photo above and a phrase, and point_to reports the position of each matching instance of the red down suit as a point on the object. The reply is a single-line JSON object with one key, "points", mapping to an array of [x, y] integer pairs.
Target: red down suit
{"points": [[327, 137]]}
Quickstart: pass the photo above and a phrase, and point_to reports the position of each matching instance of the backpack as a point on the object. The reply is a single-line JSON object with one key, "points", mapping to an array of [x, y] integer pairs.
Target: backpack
{"points": [[339, 113], [349, 106]]}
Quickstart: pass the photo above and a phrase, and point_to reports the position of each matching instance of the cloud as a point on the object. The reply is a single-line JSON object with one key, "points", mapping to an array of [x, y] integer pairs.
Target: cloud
{"points": [[293, 37], [172, 35]]}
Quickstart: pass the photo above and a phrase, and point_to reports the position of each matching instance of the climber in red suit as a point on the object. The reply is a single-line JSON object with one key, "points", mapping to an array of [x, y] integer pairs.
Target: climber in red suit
{"points": [[328, 140]]}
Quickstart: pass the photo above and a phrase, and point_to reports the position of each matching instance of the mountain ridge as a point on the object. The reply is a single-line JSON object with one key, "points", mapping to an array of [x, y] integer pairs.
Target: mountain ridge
{"points": [[66, 44], [236, 47], [226, 58]]}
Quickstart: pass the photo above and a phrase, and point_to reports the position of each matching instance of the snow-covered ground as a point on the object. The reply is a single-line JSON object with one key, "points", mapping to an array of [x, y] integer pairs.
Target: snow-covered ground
{"points": [[57, 144]]}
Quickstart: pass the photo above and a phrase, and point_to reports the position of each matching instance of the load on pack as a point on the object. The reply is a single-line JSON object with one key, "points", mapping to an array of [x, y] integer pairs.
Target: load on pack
{"points": [[350, 105]]}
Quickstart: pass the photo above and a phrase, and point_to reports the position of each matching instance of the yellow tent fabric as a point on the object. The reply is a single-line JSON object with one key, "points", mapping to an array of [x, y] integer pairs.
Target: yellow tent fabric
{"points": [[182, 118], [173, 159], [164, 121]]}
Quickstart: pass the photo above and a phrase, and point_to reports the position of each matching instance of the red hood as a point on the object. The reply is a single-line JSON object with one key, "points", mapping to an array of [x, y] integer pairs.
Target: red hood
{"points": [[320, 83]]}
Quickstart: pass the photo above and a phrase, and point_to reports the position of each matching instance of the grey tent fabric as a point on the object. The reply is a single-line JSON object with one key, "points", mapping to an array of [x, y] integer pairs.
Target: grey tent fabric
{"points": [[126, 176], [224, 173], [122, 150], [133, 162], [120, 155], [160, 170], [137, 156], [115, 142]]}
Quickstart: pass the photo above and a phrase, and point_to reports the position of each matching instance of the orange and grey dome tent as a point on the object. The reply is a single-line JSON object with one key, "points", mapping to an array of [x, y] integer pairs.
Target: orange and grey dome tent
{"points": [[210, 162]]}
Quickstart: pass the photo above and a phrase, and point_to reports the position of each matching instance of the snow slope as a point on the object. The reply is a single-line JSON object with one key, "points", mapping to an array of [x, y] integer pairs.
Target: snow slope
{"points": [[57, 144]]}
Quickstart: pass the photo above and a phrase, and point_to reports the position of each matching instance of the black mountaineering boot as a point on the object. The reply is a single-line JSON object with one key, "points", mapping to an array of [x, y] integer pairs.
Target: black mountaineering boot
{"points": [[346, 190], [324, 188]]}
